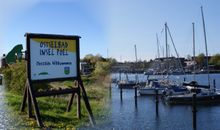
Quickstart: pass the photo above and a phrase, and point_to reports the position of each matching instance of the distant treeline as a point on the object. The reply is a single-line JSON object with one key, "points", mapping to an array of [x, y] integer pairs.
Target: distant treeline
{"points": [[201, 61]]}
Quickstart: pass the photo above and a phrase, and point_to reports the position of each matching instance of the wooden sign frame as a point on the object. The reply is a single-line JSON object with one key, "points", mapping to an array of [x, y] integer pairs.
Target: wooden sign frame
{"points": [[30, 95]]}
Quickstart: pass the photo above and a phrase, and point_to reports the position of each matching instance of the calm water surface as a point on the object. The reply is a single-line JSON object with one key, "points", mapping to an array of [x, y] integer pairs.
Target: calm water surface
{"points": [[124, 114]]}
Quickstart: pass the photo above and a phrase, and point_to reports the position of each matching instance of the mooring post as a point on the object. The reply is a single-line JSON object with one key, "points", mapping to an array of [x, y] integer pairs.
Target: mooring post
{"points": [[121, 93], [214, 85], [1, 80], [135, 95], [110, 89], [194, 111], [184, 79], [156, 100]]}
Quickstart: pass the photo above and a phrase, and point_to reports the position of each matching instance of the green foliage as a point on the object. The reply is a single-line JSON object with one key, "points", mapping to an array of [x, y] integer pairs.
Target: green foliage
{"points": [[1, 69], [102, 68], [53, 109], [215, 60], [15, 77], [200, 59], [91, 59], [112, 61]]}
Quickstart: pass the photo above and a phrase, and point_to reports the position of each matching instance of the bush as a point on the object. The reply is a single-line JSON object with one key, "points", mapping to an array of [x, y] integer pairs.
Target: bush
{"points": [[15, 77], [102, 69]]}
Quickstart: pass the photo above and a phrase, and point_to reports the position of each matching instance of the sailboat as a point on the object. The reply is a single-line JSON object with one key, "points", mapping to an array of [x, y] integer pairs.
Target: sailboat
{"points": [[126, 84], [164, 84], [204, 94]]}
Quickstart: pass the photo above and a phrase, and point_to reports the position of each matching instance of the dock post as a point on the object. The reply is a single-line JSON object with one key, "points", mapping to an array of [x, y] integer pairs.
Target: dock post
{"points": [[110, 90], [194, 111], [121, 93], [214, 84], [156, 101], [135, 95], [1, 80]]}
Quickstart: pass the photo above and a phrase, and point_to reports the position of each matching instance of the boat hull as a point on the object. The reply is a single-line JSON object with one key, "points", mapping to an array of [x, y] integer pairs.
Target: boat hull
{"points": [[126, 85], [200, 99], [150, 91]]}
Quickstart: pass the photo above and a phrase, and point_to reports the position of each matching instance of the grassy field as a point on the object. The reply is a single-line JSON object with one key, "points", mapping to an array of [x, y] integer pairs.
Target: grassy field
{"points": [[53, 109]]}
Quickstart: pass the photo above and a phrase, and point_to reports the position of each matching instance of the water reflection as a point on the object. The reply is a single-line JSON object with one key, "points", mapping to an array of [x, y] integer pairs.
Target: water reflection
{"points": [[126, 115]]}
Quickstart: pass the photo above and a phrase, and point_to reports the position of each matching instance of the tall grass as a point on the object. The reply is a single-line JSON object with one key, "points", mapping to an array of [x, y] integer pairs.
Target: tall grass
{"points": [[53, 109]]}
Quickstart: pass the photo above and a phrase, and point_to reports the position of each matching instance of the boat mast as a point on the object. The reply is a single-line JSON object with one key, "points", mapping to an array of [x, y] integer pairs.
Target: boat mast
{"points": [[194, 55], [158, 50], [178, 58], [166, 59], [166, 40], [206, 48], [135, 50]]}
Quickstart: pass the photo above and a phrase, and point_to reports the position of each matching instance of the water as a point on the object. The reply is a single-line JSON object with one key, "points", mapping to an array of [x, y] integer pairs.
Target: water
{"points": [[124, 114]]}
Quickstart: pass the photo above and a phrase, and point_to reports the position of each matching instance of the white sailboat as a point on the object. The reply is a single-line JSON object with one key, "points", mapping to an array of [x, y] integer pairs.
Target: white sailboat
{"points": [[164, 84], [203, 95]]}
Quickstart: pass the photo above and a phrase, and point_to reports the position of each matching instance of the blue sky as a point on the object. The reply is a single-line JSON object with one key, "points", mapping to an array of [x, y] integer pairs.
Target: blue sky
{"points": [[115, 25]]}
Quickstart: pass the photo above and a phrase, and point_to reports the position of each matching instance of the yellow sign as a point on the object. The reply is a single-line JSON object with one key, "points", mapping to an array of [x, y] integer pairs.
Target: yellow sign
{"points": [[53, 58]]}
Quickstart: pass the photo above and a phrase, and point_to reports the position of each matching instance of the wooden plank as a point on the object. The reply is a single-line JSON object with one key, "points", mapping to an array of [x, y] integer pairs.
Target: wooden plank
{"points": [[56, 92], [35, 105], [70, 102], [24, 98], [30, 115], [78, 103], [86, 101]]}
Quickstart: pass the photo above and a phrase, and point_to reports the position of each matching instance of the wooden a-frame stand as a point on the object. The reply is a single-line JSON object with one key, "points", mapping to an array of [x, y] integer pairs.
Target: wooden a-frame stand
{"points": [[30, 97]]}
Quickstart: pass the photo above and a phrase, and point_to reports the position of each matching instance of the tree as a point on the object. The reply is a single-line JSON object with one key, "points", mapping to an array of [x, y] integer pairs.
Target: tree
{"points": [[102, 68], [200, 59], [91, 59], [112, 61], [215, 60]]}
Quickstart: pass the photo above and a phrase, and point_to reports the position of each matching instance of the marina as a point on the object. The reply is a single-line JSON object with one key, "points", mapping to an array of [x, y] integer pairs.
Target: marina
{"points": [[110, 65], [125, 115]]}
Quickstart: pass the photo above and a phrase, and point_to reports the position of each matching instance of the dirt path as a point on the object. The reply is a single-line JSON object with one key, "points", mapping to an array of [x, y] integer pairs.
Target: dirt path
{"points": [[6, 121]]}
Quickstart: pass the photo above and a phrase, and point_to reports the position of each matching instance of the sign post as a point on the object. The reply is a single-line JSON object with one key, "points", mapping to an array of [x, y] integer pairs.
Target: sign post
{"points": [[53, 58]]}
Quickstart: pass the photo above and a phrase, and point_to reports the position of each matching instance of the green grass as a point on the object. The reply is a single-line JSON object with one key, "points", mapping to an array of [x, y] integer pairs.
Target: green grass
{"points": [[53, 109]]}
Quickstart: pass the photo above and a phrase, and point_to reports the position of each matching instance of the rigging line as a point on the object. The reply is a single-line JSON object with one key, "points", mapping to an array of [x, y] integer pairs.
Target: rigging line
{"points": [[160, 35], [135, 49], [206, 48], [159, 39], [194, 53], [175, 50], [158, 50]]}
